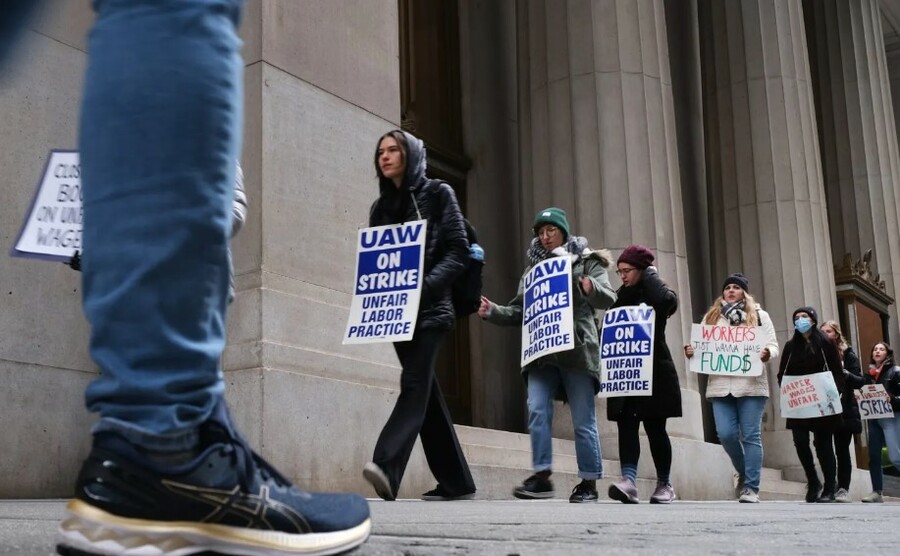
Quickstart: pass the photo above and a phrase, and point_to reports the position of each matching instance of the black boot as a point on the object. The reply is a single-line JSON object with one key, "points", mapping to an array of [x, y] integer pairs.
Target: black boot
{"points": [[813, 490]]}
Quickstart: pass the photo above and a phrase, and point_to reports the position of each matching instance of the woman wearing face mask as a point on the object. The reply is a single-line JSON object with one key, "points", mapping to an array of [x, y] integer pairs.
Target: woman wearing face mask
{"points": [[738, 401], [883, 432], [808, 352], [641, 284], [852, 422]]}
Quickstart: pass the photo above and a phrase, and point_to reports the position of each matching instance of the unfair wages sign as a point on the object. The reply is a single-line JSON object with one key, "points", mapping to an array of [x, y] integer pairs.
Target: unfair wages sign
{"points": [[809, 396], [874, 402], [547, 323], [52, 228], [626, 351], [389, 265], [727, 350]]}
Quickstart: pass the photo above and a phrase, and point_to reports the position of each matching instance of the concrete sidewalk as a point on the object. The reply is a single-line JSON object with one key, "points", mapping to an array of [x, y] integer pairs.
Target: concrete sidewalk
{"points": [[507, 527]]}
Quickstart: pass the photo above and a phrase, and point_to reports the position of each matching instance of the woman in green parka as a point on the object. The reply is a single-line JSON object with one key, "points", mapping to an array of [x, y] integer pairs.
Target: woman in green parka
{"points": [[574, 373]]}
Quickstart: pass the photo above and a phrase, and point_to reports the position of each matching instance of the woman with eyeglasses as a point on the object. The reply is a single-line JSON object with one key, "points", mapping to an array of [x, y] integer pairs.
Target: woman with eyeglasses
{"points": [[641, 284], [572, 375], [883, 432], [809, 351], [738, 402]]}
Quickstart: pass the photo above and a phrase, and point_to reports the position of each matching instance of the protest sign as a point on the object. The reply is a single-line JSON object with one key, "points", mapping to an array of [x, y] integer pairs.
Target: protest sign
{"points": [[52, 227], [547, 323], [727, 350], [388, 283], [874, 402], [626, 351], [808, 396]]}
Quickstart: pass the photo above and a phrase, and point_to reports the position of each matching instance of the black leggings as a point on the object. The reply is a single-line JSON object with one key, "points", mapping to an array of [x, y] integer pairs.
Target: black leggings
{"points": [[842, 440], [660, 446], [825, 452]]}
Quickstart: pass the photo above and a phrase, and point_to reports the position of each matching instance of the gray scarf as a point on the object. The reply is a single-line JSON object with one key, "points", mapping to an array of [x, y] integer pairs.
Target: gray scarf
{"points": [[536, 252], [734, 312]]}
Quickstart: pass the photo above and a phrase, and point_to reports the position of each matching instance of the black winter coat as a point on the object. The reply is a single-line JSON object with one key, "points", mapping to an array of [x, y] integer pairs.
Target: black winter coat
{"points": [[803, 357], [853, 379], [890, 378], [446, 243], [666, 398]]}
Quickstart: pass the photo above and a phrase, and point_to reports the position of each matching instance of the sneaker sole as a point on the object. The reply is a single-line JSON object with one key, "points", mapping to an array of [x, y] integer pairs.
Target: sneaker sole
{"points": [[622, 497], [658, 501], [522, 495], [583, 501], [89, 530], [448, 498], [379, 481]]}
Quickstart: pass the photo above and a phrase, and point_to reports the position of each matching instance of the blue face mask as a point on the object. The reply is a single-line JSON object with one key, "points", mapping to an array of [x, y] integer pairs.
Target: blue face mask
{"points": [[803, 324]]}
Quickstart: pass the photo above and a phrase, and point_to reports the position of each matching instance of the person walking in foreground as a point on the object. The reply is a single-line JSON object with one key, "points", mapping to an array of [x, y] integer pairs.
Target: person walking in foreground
{"points": [[883, 432], [808, 352], [573, 374], [641, 284], [168, 472], [739, 401], [852, 422], [405, 194]]}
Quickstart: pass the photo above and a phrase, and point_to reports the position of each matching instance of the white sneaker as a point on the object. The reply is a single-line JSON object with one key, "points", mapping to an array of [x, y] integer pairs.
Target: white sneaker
{"points": [[874, 497], [842, 496], [748, 496]]}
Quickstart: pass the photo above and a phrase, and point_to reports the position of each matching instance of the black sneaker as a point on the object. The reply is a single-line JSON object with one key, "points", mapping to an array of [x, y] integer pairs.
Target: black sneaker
{"points": [[826, 497], [812, 491], [439, 494], [534, 487], [585, 491], [227, 499]]}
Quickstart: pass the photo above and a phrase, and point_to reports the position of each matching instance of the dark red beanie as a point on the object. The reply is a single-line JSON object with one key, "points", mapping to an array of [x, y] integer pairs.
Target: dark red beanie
{"points": [[637, 256]]}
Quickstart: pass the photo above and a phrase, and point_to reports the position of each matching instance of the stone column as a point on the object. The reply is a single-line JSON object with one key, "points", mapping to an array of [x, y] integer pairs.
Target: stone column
{"points": [[598, 139], [858, 135], [766, 198]]}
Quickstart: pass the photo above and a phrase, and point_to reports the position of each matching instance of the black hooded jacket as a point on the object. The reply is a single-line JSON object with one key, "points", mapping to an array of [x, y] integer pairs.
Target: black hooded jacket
{"points": [[446, 245]]}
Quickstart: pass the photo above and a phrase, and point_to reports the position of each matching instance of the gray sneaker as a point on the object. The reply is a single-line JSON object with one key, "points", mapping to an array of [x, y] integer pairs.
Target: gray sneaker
{"points": [[842, 496], [664, 493], [624, 491], [748, 496], [738, 482], [874, 497]]}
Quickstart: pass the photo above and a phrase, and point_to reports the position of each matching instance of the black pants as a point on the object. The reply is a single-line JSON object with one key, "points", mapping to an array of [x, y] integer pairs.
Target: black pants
{"points": [[822, 440], [660, 446], [421, 410], [842, 440]]}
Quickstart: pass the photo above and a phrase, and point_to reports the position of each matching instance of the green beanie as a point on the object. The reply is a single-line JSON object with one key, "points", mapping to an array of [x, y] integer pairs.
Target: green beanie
{"points": [[552, 215]]}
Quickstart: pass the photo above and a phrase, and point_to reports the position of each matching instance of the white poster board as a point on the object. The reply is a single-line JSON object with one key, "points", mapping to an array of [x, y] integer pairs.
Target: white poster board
{"points": [[626, 351], [874, 402], [547, 322], [388, 283], [727, 350], [809, 396], [52, 227]]}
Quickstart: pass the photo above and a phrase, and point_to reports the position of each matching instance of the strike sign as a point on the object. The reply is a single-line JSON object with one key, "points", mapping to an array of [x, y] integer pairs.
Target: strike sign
{"points": [[874, 402], [388, 285], [727, 350], [547, 322], [626, 351], [52, 228], [809, 396]]}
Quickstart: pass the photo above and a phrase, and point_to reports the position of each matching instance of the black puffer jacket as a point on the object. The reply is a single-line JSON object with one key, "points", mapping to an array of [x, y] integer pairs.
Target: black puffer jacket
{"points": [[853, 379], [890, 378], [446, 246], [666, 398], [802, 356]]}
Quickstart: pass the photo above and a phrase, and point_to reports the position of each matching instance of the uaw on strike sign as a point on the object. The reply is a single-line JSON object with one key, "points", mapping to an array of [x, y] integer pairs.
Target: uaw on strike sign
{"points": [[388, 285], [547, 322], [626, 351], [52, 228]]}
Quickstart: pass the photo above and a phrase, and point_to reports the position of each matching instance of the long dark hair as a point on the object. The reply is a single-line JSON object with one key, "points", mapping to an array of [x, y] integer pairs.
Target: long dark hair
{"points": [[888, 360]]}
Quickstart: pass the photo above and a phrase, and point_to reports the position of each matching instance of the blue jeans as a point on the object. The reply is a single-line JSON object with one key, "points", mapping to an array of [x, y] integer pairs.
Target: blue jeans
{"points": [[883, 432], [160, 131], [738, 423], [543, 382]]}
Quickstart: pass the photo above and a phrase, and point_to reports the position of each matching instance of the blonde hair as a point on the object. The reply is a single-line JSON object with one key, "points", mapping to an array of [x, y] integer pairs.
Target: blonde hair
{"points": [[841, 342], [714, 312]]}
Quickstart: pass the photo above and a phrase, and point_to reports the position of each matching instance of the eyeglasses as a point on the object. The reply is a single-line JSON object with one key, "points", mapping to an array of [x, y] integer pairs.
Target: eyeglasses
{"points": [[624, 271], [547, 231]]}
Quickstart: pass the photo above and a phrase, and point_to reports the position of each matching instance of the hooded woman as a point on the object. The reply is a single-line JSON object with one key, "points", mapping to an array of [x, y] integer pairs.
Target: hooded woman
{"points": [[641, 284], [575, 372], [809, 351], [738, 401], [405, 194]]}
